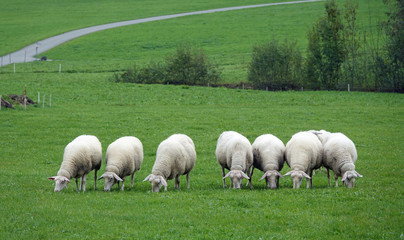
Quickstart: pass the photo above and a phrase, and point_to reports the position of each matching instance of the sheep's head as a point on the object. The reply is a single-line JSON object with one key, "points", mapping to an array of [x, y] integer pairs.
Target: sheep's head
{"points": [[236, 176], [157, 182], [272, 177], [60, 182], [110, 179], [297, 177], [349, 178]]}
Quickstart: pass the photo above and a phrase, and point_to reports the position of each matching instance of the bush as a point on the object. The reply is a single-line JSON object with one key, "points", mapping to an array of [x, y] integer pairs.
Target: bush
{"points": [[275, 66], [187, 66]]}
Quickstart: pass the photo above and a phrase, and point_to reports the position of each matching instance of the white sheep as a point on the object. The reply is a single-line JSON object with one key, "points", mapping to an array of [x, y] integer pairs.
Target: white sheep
{"points": [[123, 158], [303, 155], [340, 156], [175, 156], [81, 156], [234, 152], [268, 152]]}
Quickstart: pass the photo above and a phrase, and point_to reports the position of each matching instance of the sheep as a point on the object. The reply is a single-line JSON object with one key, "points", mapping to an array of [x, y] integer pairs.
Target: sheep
{"points": [[339, 156], [234, 152], [80, 157], [268, 153], [175, 156], [303, 155], [123, 158]]}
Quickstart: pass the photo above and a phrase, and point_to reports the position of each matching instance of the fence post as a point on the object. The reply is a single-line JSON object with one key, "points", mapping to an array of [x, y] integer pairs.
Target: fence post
{"points": [[349, 88], [39, 98]]}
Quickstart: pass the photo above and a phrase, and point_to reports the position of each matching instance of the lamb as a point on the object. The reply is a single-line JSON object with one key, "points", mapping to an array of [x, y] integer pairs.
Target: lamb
{"points": [[80, 157], [303, 154], [340, 156], [268, 152], [123, 158], [175, 156], [234, 152]]}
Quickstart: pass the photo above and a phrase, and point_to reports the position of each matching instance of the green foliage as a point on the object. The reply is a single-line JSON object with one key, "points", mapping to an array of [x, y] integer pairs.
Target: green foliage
{"points": [[275, 66], [326, 51], [186, 66], [32, 144]]}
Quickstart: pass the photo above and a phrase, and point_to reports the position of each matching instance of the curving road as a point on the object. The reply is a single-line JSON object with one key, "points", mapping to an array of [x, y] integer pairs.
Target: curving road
{"points": [[28, 53]]}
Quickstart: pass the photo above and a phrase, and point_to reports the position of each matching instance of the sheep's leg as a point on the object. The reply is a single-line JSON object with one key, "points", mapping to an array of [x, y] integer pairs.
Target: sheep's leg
{"points": [[95, 180], [328, 176], [224, 180], [250, 176], [277, 182], [77, 185], [83, 182], [177, 182], [131, 179], [336, 180], [187, 180], [308, 181], [266, 183], [123, 184]]}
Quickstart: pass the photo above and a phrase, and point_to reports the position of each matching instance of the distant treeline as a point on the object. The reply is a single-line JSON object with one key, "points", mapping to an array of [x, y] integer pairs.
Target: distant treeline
{"points": [[338, 57]]}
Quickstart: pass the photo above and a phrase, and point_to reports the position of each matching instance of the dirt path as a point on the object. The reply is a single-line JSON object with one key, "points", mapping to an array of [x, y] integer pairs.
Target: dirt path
{"points": [[28, 53]]}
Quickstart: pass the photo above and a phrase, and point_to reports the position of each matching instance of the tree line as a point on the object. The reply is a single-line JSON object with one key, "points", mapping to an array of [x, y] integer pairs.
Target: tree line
{"points": [[338, 57]]}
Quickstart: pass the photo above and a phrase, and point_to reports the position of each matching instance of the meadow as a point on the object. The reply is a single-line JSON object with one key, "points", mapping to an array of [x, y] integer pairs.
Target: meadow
{"points": [[85, 101]]}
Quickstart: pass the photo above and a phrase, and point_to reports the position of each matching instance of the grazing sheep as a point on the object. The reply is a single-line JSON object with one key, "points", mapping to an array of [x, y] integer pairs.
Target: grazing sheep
{"points": [[123, 158], [175, 156], [268, 152], [303, 155], [340, 156], [81, 156], [234, 152]]}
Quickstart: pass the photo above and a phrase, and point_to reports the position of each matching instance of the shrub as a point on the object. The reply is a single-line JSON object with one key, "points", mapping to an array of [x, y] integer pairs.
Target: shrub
{"points": [[187, 66], [275, 66]]}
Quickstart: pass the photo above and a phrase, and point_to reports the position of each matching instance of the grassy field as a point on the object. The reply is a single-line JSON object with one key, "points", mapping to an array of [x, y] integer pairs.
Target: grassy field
{"points": [[85, 101], [32, 146], [227, 38]]}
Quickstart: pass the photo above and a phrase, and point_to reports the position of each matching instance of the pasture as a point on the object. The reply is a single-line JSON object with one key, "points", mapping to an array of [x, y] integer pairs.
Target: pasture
{"points": [[32, 146], [85, 101]]}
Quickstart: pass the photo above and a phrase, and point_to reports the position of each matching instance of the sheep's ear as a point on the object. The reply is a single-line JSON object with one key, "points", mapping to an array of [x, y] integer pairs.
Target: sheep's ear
{"points": [[279, 174], [227, 175], [117, 177], [264, 176], [102, 176], [306, 175], [344, 177], [163, 181], [52, 178], [147, 178], [357, 174], [289, 173], [244, 175]]}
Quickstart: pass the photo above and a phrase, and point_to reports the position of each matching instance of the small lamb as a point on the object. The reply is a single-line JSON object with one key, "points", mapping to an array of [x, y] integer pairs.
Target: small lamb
{"points": [[80, 157], [268, 152], [303, 154], [340, 156], [234, 152], [175, 156], [123, 158]]}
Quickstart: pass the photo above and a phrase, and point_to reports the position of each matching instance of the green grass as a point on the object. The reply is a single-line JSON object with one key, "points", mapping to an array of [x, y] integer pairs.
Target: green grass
{"points": [[227, 38], [32, 144], [84, 101]]}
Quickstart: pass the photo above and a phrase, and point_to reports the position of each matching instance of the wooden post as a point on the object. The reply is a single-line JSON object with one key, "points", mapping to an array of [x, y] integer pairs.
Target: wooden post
{"points": [[349, 88]]}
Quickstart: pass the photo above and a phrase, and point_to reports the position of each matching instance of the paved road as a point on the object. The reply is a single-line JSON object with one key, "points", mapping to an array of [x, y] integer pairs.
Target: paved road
{"points": [[28, 53]]}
